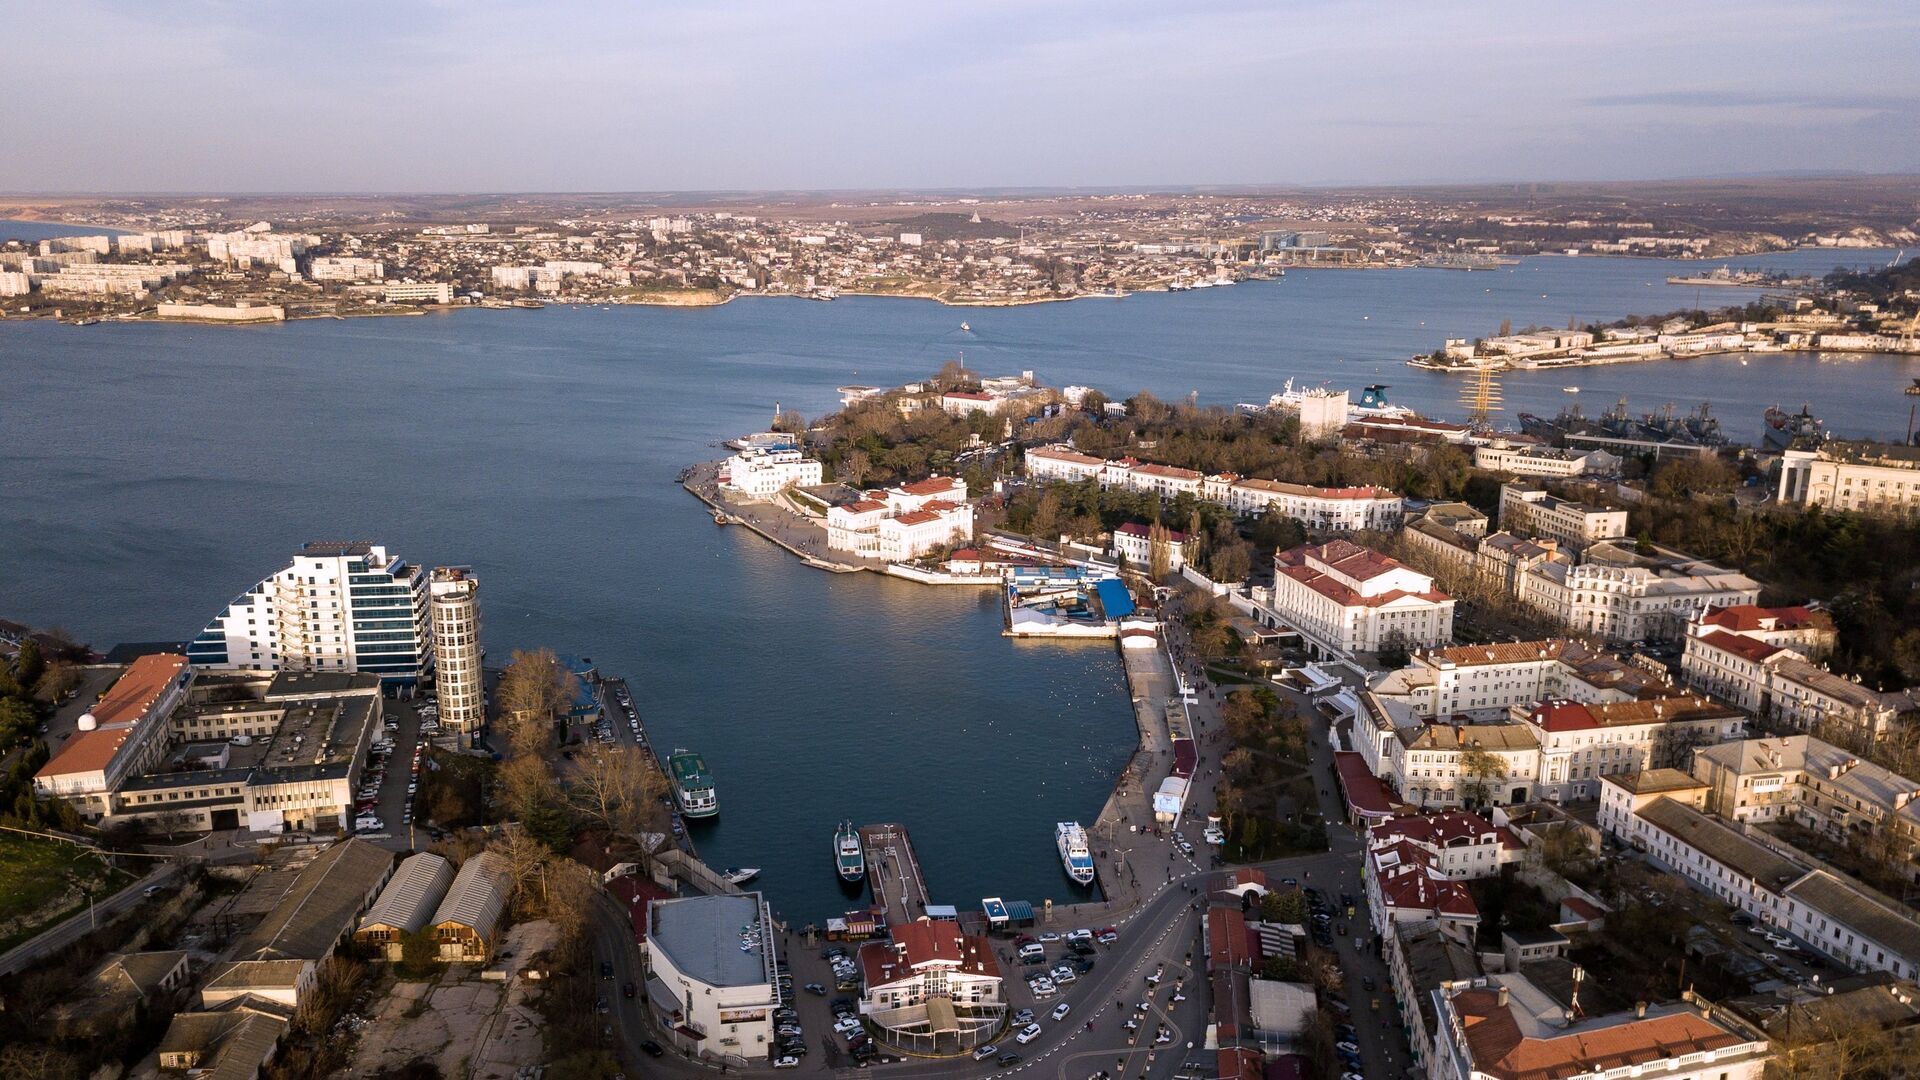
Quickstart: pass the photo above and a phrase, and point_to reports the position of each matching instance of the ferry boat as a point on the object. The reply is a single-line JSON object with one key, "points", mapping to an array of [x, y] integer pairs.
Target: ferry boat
{"points": [[1074, 854], [1373, 402], [692, 784], [847, 854]]}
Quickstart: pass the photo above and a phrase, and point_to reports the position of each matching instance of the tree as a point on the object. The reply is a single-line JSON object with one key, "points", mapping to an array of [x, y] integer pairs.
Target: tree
{"points": [[617, 787], [533, 690], [1231, 563], [526, 785], [1674, 744], [1906, 654], [1284, 906], [855, 467], [1480, 775], [28, 663]]}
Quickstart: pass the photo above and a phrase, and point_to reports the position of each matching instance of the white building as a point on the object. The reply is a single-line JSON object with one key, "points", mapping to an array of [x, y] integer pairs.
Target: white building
{"points": [[762, 474], [1879, 478], [345, 268], [514, 277], [1624, 595], [435, 292], [933, 987], [1501, 456], [15, 283], [1458, 845], [1528, 511], [1439, 683], [1503, 1027], [123, 734], [1063, 463], [1346, 599], [1580, 743], [1320, 509], [1433, 765], [337, 606], [454, 600], [903, 522], [1134, 543], [711, 996]]}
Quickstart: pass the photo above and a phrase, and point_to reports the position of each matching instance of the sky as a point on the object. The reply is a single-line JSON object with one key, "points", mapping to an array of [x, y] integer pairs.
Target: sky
{"points": [[472, 95]]}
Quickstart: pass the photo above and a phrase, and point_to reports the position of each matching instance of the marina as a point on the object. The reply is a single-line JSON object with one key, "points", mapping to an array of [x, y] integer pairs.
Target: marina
{"points": [[609, 399]]}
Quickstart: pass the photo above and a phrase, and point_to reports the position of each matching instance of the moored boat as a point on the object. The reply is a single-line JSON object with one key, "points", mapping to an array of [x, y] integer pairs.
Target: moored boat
{"points": [[692, 784], [740, 875], [1071, 839], [847, 856]]}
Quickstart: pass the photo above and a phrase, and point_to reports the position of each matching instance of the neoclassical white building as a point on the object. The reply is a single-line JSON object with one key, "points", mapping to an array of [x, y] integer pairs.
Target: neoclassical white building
{"points": [[1346, 599], [903, 522], [761, 474]]}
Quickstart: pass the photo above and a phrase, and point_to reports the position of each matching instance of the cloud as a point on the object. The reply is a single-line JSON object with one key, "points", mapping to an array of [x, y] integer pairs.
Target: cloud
{"points": [[1744, 99]]}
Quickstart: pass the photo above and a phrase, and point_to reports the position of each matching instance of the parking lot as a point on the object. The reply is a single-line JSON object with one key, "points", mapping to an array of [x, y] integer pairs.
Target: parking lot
{"points": [[384, 803]]}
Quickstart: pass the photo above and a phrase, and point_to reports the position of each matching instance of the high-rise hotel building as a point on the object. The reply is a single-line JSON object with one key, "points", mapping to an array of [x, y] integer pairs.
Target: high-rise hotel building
{"points": [[454, 598], [337, 606]]}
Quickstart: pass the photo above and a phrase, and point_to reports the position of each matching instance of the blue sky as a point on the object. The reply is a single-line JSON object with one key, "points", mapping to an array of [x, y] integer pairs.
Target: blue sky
{"points": [[459, 96]]}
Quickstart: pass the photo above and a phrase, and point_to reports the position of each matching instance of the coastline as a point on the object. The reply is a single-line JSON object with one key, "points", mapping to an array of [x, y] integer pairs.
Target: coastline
{"points": [[1149, 674], [1503, 367]]}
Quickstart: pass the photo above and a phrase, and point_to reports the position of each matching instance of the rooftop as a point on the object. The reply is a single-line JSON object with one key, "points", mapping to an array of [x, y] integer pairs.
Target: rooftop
{"points": [[1653, 781], [118, 713], [1502, 1048], [477, 896], [319, 905], [1857, 906], [1721, 843], [701, 936]]}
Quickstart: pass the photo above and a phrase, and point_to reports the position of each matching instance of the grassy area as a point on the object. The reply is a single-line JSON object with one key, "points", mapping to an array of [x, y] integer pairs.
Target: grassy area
{"points": [[44, 881]]}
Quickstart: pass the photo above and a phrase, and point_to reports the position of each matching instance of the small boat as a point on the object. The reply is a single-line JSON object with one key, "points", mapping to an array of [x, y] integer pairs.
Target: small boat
{"points": [[1914, 389], [1569, 389], [1071, 839], [965, 329], [847, 856], [740, 876]]}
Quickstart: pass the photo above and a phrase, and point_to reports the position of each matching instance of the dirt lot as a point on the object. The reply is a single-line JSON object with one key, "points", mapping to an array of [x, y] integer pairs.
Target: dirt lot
{"points": [[466, 1025]]}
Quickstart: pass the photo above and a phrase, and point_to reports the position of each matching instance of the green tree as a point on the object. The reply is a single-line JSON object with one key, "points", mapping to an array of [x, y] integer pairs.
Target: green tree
{"points": [[1480, 776]]}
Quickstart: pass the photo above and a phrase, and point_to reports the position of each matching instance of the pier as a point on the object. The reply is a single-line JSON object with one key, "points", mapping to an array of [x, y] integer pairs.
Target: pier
{"points": [[894, 872]]}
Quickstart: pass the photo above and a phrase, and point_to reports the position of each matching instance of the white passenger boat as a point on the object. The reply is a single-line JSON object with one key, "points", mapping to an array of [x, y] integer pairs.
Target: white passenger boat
{"points": [[1074, 853]]}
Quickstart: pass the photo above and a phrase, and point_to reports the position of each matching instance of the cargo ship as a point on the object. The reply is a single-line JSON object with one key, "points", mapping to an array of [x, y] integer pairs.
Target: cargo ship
{"points": [[1074, 853], [692, 784], [847, 855]]}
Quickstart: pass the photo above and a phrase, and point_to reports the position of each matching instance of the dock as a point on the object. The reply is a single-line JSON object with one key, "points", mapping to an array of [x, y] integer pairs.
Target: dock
{"points": [[894, 872]]}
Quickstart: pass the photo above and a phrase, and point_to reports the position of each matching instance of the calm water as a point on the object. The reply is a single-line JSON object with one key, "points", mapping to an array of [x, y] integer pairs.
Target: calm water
{"points": [[29, 231], [148, 473]]}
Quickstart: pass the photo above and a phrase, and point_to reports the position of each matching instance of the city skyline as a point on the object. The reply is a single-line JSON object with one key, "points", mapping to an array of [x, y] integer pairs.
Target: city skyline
{"points": [[839, 97]]}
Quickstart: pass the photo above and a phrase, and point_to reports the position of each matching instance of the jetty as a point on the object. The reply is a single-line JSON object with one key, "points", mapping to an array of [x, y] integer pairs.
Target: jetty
{"points": [[894, 871]]}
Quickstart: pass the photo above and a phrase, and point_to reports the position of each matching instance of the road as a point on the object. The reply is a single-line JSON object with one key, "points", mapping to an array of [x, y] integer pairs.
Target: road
{"points": [[1161, 927], [72, 930]]}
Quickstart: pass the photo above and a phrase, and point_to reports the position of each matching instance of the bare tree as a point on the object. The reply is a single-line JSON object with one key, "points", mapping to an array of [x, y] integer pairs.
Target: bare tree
{"points": [[526, 784], [617, 787], [1480, 775], [532, 692]]}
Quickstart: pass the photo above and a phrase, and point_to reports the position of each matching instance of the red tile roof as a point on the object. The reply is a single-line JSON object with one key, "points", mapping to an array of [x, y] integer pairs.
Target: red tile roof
{"points": [[1740, 645], [1745, 617], [1500, 1049], [933, 485], [1558, 714], [1134, 528], [1365, 794], [119, 712], [1447, 829], [1226, 937], [1237, 1063], [925, 943], [1413, 887], [1168, 471]]}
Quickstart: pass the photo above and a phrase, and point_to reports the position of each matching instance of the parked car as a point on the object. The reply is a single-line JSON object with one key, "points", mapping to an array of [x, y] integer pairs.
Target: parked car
{"points": [[786, 1062], [654, 1048]]}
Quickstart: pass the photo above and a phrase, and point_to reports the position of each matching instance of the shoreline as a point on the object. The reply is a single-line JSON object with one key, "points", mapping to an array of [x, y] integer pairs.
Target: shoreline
{"points": [[1129, 797], [1504, 368]]}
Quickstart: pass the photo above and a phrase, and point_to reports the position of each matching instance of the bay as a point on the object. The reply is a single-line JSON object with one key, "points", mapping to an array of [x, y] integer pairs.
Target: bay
{"points": [[149, 473]]}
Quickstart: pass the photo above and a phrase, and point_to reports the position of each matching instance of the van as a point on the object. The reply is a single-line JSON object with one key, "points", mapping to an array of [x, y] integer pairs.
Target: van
{"points": [[241, 740], [1031, 952]]}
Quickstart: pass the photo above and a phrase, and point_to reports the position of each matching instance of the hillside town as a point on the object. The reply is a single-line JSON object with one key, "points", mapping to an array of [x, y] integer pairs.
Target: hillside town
{"points": [[204, 263]]}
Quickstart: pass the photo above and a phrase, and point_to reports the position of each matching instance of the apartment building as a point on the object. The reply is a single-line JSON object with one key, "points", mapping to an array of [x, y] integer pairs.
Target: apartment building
{"points": [[1816, 784], [1440, 765], [345, 268], [1529, 511], [1582, 742], [1757, 658], [1543, 461], [340, 606], [1624, 594], [1445, 682], [453, 594], [1503, 1027], [1320, 509], [1881, 478]]}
